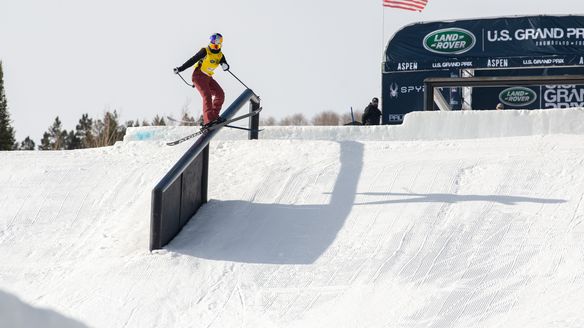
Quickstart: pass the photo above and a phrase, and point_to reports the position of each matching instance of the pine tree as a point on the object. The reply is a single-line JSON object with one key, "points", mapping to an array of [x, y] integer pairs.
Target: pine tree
{"points": [[158, 121], [132, 124], [45, 142], [84, 131], [54, 138], [72, 140], [188, 119], [6, 131], [27, 144]]}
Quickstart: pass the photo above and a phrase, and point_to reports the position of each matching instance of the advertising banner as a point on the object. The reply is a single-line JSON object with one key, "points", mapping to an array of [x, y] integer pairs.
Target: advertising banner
{"points": [[532, 97], [505, 46], [403, 93], [488, 43]]}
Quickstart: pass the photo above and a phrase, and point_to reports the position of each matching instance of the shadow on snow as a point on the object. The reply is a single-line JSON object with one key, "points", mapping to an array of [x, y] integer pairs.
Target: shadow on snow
{"points": [[272, 233]]}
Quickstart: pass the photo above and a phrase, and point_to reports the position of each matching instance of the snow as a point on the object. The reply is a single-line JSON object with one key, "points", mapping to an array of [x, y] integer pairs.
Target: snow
{"points": [[454, 219], [417, 126], [15, 313]]}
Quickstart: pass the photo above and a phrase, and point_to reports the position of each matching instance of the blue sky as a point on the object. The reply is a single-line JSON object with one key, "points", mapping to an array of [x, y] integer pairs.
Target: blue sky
{"points": [[66, 58]]}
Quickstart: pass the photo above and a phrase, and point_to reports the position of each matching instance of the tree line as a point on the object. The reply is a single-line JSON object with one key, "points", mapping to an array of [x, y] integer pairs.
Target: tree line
{"points": [[105, 131]]}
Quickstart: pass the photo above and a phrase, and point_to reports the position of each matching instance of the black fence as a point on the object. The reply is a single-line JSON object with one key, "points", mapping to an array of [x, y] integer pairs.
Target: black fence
{"points": [[182, 191]]}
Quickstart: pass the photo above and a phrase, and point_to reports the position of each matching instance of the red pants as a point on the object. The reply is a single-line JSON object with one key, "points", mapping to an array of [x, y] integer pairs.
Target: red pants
{"points": [[211, 93]]}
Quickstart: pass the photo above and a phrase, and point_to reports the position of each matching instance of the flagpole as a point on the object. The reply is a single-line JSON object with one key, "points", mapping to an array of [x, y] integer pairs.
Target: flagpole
{"points": [[382, 29], [382, 52]]}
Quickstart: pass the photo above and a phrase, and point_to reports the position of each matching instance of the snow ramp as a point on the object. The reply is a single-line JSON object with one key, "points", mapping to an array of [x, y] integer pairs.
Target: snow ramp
{"points": [[442, 231]]}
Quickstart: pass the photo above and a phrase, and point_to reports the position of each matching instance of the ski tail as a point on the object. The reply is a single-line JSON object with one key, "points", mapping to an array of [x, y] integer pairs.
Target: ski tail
{"points": [[240, 117], [190, 123]]}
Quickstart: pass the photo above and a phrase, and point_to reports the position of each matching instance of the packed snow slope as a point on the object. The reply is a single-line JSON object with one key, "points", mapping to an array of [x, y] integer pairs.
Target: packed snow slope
{"points": [[453, 219]]}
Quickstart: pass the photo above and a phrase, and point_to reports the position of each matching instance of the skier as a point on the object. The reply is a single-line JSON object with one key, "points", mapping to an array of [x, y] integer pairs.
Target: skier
{"points": [[205, 62], [371, 114]]}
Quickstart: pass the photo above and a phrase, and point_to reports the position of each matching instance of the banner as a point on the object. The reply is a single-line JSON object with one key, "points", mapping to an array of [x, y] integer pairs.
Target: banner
{"points": [[532, 97], [488, 43], [403, 93], [507, 46]]}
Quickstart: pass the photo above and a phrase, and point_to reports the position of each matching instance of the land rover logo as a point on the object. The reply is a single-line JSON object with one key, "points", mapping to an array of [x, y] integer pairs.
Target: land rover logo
{"points": [[517, 96], [450, 41]]}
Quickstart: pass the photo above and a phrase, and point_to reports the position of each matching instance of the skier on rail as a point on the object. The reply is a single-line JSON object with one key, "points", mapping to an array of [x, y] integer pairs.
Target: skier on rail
{"points": [[205, 62]]}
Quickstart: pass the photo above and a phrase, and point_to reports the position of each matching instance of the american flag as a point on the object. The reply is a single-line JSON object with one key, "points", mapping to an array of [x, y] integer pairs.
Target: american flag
{"points": [[413, 5]]}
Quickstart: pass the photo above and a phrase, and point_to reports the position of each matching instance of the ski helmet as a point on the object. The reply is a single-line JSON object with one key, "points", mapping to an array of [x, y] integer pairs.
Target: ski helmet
{"points": [[215, 41]]}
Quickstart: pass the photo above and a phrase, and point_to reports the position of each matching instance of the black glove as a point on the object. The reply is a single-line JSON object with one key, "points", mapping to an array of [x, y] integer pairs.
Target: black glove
{"points": [[175, 70], [225, 66]]}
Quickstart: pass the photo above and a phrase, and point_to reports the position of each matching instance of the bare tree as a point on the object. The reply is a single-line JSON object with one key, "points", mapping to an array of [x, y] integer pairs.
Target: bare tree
{"points": [[296, 119], [108, 130], [346, 118], [326, 118], [268, 121]]}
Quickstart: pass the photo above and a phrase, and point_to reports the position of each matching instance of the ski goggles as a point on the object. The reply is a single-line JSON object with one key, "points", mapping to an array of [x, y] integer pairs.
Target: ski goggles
{"points": [[215, 41]]}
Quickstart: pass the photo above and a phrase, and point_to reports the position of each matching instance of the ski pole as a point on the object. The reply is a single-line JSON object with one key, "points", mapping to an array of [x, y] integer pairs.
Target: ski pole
{"points": [[238, 79], [190, 85], [241, 82]]}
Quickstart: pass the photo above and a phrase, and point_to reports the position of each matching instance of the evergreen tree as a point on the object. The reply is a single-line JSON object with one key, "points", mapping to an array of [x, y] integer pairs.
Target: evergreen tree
{"points": [[27, 144], [54, 138], [188, 118], [72, 140], [158, 121], [84, 131], [6, 131], [45, 142], [132, 124]]}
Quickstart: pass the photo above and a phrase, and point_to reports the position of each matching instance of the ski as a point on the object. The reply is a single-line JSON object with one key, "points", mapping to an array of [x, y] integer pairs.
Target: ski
{"points": [[190, 123], [213, 127], [242, 128], [185, 138]]}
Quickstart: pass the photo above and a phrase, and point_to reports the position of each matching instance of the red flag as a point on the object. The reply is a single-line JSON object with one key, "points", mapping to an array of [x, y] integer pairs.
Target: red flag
{"points": [[413, 5]]}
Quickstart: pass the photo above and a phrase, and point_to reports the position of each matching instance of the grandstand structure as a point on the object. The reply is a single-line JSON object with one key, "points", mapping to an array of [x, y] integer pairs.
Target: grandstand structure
{"points": [[547, 52]]}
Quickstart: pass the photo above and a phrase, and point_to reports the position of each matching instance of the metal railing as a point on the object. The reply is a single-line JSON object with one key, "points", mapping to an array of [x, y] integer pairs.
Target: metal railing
{"points": [[182, 191]]}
